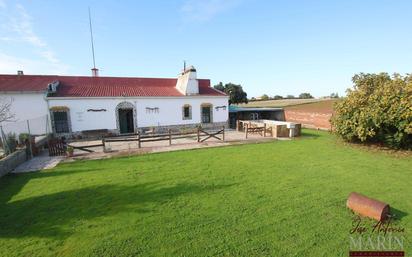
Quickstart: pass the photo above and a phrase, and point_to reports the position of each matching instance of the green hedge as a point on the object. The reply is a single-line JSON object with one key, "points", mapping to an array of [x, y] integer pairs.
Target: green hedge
{"points": [[378, 110]]}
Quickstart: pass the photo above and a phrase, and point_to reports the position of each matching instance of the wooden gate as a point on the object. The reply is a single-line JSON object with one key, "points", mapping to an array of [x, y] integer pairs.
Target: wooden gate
{"points": [[57, 147], [210, 134]]}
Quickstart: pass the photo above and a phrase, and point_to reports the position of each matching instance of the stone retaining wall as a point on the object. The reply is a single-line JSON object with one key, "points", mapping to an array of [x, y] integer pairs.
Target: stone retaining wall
{"points": [[13, 160]]}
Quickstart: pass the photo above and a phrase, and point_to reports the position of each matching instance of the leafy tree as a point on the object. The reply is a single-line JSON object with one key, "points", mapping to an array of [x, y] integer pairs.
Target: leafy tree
{"points": [[334, 95], [235, 92], [277, 97], [264, 97], [378, 109], [290, 97], [305, 96], [253, 98], [220, 87]]}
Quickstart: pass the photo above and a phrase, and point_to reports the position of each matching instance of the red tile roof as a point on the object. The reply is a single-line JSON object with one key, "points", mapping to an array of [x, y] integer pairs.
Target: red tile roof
{"points": [[82, 86]]}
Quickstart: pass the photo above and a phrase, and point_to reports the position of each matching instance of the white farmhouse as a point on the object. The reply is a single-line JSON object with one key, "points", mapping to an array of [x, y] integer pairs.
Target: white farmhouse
{"points": [[76, 104]]}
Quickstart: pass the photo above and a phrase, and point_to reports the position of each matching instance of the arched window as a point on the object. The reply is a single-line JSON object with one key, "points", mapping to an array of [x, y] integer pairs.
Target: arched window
{"points": [[187, 112]]}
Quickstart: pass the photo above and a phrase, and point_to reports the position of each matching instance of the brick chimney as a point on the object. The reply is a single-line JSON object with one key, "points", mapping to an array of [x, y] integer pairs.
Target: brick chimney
{"points": [[95, 72]]}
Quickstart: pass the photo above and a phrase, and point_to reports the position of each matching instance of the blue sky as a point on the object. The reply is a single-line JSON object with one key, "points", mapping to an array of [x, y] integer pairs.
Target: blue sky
{"points": [[272, 47]]}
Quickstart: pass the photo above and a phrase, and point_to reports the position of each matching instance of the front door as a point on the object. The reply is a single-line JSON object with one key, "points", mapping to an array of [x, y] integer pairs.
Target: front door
{"points": [[126, 121], [206, 114]]}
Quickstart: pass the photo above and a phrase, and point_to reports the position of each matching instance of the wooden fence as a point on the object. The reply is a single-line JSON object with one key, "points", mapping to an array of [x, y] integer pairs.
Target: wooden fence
{"points": [[57, 147], [200, 134], [250, 127], [169, 136]]}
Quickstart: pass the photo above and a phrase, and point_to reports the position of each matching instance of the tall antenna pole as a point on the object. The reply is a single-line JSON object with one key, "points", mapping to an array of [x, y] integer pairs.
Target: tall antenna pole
{"points": [[91, 39]]}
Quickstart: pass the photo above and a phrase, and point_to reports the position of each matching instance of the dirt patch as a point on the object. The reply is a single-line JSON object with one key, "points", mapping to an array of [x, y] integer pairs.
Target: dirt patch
{"points": [[309, 119], [312, 115]]}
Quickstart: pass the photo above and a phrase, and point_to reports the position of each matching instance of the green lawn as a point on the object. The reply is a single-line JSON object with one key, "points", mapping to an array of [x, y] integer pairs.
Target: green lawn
{"points": [[284, 198]]}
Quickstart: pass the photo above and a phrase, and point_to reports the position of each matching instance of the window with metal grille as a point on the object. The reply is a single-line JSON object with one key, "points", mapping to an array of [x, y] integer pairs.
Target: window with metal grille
{"points": [[187, 112], [61, 122]]}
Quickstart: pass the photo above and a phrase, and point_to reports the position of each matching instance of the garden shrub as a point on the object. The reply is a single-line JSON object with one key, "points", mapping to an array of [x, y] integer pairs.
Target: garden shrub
{"points": [[377, 110], [11, 142], [23, 137]]}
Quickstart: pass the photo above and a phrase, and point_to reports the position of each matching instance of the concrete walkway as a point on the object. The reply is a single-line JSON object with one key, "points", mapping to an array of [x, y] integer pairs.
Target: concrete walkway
{"points": [[38, 163]]}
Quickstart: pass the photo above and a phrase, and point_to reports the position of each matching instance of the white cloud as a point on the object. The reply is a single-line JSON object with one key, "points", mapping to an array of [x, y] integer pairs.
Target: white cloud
{"points": [[10, 64], [18, 28], [205, 10], [22, 25], [2, 4]]}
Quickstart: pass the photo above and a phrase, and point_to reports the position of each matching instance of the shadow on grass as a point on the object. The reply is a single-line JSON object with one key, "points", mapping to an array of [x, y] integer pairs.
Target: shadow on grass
{"points": [[309, 134], [398, 214], [56, 215]]}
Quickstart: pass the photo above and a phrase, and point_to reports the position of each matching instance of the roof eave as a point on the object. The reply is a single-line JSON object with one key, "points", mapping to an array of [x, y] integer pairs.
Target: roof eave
{"points": [[24, 92]]}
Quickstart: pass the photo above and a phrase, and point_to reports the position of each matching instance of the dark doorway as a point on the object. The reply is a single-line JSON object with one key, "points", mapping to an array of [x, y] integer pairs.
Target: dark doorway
{"points": [[126, 121], [232, 120], [206, 117]]}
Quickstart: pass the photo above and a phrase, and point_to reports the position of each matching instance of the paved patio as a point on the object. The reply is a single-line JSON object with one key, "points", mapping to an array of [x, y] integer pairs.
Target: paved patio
{"points": [[131, 148], [41, 162], [113, 149]]}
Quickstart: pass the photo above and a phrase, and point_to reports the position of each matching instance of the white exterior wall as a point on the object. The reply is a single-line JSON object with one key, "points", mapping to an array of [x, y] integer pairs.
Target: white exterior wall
{"points": [[170, 111], [27, 106]]}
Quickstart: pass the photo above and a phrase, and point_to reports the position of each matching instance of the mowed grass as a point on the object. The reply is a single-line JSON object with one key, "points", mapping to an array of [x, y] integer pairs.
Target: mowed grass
{"points": [[325, 106], [281, 102], [283, 198]]}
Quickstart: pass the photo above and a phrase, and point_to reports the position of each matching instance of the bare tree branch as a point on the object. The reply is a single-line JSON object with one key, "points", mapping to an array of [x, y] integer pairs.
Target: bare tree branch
{"points": [[5, 110]]}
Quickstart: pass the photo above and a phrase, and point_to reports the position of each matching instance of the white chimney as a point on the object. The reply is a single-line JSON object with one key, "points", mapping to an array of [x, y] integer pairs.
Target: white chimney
{"points": [[187, 82], [95, 72]]}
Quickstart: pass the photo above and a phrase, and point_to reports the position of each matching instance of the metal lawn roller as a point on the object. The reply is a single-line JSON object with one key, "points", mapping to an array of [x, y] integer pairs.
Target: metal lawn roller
{"points": [[368, 207]]}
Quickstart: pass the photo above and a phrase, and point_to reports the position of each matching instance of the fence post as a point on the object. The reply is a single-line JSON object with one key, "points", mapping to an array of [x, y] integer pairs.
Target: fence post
{"points": [[170, 136], [139, 144], [31, 149], [5, 143], [47, 125], [223, 133], [198, 134], [264, 129], [237, 125], [104, 144], [246, 129]]}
